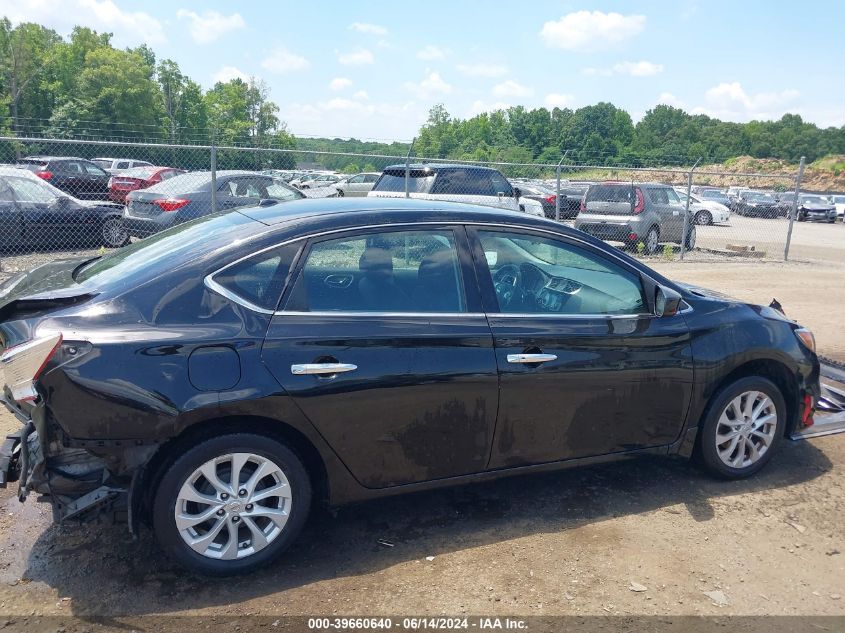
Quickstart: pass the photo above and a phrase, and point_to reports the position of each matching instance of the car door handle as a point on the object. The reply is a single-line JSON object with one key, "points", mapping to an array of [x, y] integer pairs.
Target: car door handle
{"points": [[530, 358], [321, 368]]}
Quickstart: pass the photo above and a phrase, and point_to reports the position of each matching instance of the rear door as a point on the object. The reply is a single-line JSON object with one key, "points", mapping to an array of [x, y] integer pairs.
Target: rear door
{"points": [[585, 368], [383, 346], [96, 181]]}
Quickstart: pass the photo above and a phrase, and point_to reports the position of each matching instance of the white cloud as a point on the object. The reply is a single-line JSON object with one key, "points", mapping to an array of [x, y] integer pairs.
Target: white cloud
{"points": [[227, 73], [482, 70], [431, 53], [281, 61], [361, 57], [339, 83], [730, 101], [633, 69], [558, 100], [510, 88], [361, 95], [667, 98], [638, 69], [588, 31], [128, 27], [365, 27], [344, 118], [431, 85], [478, 107], [211, 25]]}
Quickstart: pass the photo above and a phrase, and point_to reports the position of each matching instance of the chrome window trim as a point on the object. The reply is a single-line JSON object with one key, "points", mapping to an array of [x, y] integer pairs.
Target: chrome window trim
{"points": [[363, 313], [211, 284]]}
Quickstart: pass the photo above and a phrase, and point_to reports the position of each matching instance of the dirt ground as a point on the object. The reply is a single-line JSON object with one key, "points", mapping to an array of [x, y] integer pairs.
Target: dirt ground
{"points": [[646, 537]]}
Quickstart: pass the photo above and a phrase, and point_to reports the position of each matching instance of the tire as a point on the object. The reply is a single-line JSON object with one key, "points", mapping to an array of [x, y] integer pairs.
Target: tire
{"points": [[240, 519], [691, 235], [703, 218], [113, 233], [340, 193], [652, 240], [713, 423]]}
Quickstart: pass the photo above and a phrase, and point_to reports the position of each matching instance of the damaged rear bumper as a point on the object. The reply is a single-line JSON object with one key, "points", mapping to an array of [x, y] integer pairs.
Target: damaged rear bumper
{"points": [[74, 481], [828, 415]]}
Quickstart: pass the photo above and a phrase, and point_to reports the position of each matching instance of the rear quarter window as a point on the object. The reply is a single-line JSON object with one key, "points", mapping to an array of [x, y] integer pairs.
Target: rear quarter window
{"points": [[260, 279]]}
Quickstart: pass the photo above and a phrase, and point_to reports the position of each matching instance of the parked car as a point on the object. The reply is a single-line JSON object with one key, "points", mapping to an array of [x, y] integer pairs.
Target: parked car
{"points": [[704, 211], [265, 346], [122, 183], [34, 213], [454, 183], [757, 204], [112, 165], [307, 177], [546, 194], [814, 208], [76, 176], [357, 185], [650, 213], [188, 196], [785, 200], [839, 202], [714, 195], [322, 180], [542, 194]]}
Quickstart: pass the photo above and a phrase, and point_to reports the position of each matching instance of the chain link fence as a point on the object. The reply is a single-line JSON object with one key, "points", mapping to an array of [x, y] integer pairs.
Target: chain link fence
{"points": [[66, 196]]}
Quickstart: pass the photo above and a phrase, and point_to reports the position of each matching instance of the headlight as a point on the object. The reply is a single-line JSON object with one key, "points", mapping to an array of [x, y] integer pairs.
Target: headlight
{"points": [[806, 337]]}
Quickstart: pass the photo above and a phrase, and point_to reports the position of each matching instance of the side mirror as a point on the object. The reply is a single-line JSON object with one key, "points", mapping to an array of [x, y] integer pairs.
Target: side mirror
{"points": [[517, 192], [267, 202], [666, 301]]}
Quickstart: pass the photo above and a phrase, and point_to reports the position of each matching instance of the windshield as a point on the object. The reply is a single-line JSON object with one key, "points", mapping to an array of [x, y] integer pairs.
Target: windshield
{"points": [[759, 197], [419, 180], [32, 190], [178, 244]]}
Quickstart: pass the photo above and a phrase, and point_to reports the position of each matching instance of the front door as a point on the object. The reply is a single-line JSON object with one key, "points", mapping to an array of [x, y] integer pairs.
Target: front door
{"points": [[383, 345], [585, 369]]}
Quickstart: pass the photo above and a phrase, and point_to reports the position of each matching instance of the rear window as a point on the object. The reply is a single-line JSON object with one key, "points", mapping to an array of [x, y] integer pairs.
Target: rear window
{"points": [[102, 162], [32, 165], [610, 193], [419, 181], [139, 172], [184, 183]]}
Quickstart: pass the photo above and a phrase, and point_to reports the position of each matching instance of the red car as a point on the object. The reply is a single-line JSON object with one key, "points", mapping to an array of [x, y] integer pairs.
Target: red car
{"points": [[123, 182]]}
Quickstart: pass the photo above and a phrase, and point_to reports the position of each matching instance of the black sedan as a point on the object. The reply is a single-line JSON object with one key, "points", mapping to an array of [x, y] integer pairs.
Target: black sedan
{"points": [[570, 198], [77, 176], [757, 204], [189, 196], [33, 214], [815, 209], [216, 379]]}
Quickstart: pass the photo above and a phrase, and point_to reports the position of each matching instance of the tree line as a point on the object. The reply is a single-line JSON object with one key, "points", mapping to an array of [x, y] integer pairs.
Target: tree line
{"points": [[84, 87]]}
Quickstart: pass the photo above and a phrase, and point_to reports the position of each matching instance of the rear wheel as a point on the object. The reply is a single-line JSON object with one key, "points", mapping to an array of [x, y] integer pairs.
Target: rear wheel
{"points": [[113, 233], [703, 217], [652, 240], [691, 235], [742, 428], [340, 193], [231, 504]]}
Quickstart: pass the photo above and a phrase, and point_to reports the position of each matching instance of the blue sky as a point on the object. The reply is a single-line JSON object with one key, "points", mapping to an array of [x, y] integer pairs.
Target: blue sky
{"points": [[373, 69]]}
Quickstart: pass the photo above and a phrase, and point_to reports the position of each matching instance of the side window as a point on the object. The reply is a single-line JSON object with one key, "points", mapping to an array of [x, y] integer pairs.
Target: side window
{"points": [[368, 178], [69, 167], [246, 187], [278, 191], [402, 271], [658, 196], [673, 195], [501, 184], [93, 170], [123, 164], [6, 193], [533, 274], [356, 180], [260, 279]]}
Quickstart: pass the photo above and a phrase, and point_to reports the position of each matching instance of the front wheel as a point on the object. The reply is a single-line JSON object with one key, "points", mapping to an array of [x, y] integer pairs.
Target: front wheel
{"points": [[691, 235], [340, 193], [113, 233], [703, 218], [652, 240], [742, 428], [231, 504]]}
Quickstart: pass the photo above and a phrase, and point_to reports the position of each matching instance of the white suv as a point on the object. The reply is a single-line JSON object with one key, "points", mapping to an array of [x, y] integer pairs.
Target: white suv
{"points": [[455, 183]]}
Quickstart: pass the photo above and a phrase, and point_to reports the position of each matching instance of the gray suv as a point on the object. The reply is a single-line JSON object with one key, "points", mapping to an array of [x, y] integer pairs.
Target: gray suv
{"points": [[650, 213]]}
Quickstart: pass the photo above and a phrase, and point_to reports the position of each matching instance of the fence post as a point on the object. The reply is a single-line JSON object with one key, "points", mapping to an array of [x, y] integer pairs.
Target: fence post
{"points": [[794, 210], [557, 190], [408, 169], [686, 209], [213, 177]]}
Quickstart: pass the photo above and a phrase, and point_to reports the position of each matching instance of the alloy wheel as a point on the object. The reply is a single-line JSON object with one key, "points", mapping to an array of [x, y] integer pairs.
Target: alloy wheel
{"points": [[233, 506], [746, 429], [114, 233]]}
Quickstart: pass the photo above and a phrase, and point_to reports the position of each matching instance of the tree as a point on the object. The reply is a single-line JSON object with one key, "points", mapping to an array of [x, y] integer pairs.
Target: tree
{"points": [[181, 99]]}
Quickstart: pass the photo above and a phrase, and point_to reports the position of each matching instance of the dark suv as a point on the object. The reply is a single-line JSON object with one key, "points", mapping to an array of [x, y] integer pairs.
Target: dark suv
{"points": [[76, 176]]}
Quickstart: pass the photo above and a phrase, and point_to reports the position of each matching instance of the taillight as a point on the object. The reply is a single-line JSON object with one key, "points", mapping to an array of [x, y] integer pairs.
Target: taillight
{"points": [[583, 206], [170, 204], [46, 175], [551, 199], [21, 365], [638, 208]]}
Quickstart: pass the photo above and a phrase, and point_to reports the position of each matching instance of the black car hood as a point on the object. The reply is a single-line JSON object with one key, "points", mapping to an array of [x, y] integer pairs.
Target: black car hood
{"points": [[707, 293]]}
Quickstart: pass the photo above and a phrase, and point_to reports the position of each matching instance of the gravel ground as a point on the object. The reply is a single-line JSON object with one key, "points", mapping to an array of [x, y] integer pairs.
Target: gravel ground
{"points": [[646, 537]]}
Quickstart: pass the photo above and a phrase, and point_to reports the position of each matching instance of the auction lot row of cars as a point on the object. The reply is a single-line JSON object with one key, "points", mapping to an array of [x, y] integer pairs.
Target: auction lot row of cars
{"points": [[110, 200]]}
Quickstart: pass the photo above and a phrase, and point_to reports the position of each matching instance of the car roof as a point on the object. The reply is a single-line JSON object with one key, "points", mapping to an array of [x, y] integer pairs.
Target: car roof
{"points": [[389, 210], [52, 158], [438, 166]]}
